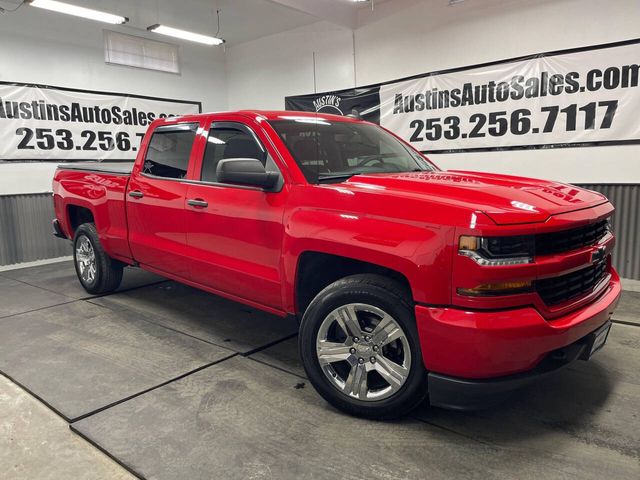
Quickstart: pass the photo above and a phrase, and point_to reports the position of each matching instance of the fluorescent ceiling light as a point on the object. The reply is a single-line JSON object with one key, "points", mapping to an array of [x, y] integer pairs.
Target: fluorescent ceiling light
{"points": [[183, 34], [77, 11]]}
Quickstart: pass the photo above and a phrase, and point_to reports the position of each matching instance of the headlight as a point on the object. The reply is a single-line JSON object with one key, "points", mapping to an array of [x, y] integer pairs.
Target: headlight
{"points": [[498, 251], [609, 225]]}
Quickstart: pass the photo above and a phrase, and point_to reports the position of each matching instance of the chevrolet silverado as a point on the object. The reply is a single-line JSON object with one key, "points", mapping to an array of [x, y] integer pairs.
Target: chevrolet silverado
{"points": [[409, 282]]}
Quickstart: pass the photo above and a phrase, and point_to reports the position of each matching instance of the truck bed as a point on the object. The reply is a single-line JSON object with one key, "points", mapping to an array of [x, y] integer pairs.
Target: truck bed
{"points": [[119, 168]]}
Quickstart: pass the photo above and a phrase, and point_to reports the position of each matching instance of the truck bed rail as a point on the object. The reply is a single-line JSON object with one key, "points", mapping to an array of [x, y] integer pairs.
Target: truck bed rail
{"points": [[118, 168]]}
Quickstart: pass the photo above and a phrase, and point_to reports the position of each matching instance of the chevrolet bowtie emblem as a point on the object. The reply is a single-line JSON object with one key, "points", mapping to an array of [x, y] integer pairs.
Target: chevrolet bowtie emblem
{"points": [[598, 254]]}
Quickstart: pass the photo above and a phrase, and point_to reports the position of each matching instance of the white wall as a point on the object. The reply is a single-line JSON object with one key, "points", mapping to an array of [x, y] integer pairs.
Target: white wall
{"points": [[41, 47], [406, 37], [262, 72], [400, 38]]}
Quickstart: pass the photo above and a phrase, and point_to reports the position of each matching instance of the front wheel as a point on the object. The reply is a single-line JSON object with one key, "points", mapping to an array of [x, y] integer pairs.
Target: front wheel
{"points": [[98, 273], [360, 348]]}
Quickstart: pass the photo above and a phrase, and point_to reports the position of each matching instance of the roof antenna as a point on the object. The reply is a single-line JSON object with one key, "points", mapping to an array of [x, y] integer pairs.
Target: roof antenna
{"points": [[355, 113]]}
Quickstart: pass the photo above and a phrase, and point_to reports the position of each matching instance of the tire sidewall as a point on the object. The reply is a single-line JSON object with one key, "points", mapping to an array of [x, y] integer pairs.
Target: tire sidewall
{"points": [[414, 388]]}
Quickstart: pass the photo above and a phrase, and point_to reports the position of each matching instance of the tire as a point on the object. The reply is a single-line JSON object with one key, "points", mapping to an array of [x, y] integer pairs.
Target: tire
{"points": [[98, 272], [333, 357]]}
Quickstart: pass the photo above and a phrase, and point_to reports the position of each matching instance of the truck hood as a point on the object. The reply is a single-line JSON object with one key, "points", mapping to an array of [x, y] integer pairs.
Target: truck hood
{"points": [[505, 199]]}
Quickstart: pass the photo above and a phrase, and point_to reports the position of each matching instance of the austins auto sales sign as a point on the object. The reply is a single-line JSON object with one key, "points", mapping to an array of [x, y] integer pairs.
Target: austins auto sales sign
{"points": [[39, 122], [587, 96]]}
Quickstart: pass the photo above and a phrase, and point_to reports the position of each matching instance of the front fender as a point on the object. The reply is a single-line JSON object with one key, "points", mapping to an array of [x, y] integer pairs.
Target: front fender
{"points": [[419, 252]]}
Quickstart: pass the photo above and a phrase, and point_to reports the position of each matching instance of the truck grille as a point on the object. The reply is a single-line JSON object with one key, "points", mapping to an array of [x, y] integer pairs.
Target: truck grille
{"points": [[556, 242], [554, 291]]}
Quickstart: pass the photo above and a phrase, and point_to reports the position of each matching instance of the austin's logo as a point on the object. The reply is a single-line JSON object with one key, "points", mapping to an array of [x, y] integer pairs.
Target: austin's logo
{"points": [[598, 255], [328, 103]]}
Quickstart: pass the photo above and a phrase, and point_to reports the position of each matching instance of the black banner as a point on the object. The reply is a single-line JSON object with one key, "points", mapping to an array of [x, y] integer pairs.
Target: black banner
{"points": [[361, 103]]}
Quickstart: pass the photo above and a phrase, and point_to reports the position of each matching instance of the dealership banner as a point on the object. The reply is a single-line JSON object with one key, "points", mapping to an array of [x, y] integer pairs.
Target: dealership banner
{"points": [[361, 102], [39, 122], [578, 97]]}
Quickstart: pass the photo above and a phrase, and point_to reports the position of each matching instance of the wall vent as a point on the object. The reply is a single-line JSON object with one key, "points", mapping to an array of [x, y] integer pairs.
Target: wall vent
{"points": [[140, 52]]}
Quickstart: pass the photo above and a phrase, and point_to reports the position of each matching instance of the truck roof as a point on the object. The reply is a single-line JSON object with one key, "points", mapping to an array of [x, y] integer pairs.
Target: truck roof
{"points": [[287, 114], [265, 114]]}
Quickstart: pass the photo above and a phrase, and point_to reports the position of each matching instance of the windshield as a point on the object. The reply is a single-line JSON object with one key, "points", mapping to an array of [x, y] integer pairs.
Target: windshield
{"points": [[329, 151]]}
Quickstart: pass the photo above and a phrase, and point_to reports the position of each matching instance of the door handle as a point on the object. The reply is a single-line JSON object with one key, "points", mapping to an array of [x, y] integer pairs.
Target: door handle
{"points": [[136, 194], [197, 202]]}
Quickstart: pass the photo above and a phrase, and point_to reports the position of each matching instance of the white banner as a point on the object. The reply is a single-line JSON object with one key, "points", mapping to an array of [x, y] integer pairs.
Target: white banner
{"points": [[60, 124], [585, 97]]}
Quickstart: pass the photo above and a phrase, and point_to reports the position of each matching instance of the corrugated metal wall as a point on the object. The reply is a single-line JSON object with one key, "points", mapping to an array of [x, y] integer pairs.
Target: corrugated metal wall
{"points": [[25, 228], [626, 225]]}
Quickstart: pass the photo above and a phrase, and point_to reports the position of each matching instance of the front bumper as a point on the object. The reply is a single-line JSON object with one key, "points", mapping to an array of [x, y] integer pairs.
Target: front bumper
{"points": [[463, 394], [473, 346]]}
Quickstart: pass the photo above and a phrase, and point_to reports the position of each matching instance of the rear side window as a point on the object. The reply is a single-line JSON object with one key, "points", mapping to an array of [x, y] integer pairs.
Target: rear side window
{"points": [[229, 140], [169, 151]]}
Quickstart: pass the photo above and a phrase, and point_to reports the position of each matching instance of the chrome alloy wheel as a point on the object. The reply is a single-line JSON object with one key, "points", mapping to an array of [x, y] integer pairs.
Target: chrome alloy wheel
{"points": [[86, 260], [363, 352]]}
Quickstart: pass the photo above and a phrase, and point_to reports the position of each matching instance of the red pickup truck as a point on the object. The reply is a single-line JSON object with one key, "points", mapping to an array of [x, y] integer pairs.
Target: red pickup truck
{"points": [[409, 281]]}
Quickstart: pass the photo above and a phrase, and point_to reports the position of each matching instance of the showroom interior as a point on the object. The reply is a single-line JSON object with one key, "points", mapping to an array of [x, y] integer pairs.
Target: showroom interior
{"points": [[115, 365]]}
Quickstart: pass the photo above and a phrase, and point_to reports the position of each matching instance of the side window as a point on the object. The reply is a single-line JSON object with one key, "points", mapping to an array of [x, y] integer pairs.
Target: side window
{"points": [[169, 151], [229, 141]]}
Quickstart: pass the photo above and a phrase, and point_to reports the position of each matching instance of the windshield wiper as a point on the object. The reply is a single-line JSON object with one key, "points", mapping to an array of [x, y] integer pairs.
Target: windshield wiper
{"points": [[340, 176], [337, 176]]}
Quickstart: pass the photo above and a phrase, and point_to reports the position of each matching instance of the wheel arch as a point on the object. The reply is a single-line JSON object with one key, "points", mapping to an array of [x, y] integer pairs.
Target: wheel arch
{"points": [[315, 270], [76, 216]]}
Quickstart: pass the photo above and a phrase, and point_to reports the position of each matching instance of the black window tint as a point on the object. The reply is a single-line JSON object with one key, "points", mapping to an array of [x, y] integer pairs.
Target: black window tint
{"points": [[169, 151], [229, 142]]}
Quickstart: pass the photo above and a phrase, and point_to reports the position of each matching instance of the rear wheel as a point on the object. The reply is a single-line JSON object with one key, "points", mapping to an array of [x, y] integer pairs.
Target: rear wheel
{"points": [[97, 272], [360, 347]]}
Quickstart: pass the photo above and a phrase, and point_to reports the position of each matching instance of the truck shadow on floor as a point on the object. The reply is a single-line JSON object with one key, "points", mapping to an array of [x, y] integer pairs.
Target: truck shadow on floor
{"points": [[578, 403]]}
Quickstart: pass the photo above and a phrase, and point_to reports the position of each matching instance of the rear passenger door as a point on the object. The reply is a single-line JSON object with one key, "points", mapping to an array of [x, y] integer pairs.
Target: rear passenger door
{"points": [[156, 199], [235, 232]]}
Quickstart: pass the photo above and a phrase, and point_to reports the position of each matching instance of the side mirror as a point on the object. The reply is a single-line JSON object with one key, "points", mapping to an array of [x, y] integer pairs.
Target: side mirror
{"points": [[246, 171]]}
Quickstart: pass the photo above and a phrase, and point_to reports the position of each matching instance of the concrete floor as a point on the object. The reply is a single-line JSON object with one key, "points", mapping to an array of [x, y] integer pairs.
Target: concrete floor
{"points": [[171, 382], [37, 444]]}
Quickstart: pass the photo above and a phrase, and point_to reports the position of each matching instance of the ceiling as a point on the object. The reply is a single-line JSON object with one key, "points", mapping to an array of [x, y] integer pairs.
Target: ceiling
{"points": [[241, 20]]}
